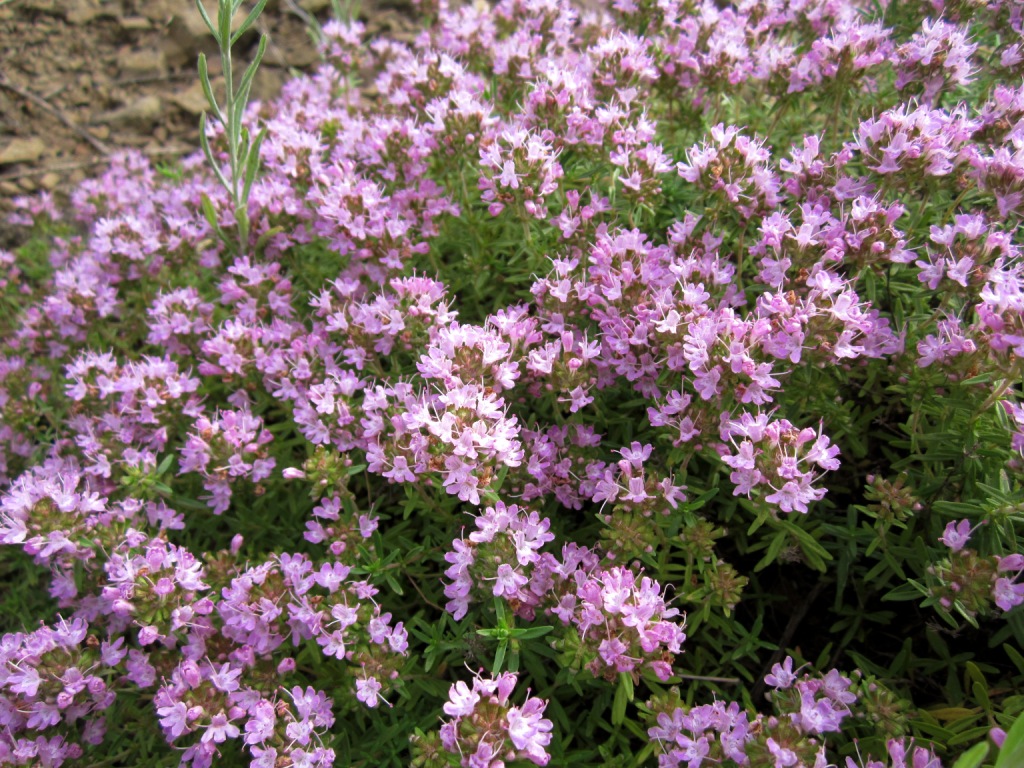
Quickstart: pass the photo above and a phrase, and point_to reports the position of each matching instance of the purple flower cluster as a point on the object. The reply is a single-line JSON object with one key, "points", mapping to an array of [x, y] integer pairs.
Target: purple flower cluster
{"points": [[622, 623], [683, 311], [971, 581], [498, 559], [900, 755], [55, 685], [805, 709], [206, 705], [225, 448], [486, 729], [613, 620]]}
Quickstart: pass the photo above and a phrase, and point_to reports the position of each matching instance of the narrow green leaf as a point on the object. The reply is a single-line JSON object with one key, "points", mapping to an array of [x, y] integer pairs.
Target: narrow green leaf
{"points": [[204, 81], [249, 20], [530, 633], [626, 681], [973, 757], [393, 583], [774, 548], [208, 211], [1015, 656], [501, 611], [204, 142], [206, 17], [619, 704], [242, 94], [499, 657], [224, 14], [165, 464], [1012, 753], [252, 165]]}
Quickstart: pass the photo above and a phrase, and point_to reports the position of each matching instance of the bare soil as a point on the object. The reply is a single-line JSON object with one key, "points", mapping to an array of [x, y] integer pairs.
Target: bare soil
{"points": [[81, 79]]}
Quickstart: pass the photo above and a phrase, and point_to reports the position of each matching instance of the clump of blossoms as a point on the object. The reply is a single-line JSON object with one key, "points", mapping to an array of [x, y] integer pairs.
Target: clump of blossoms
{"points": [[56, 685], [970, 582], [487, 729], [227, 446], [620, 622], [806, 709], [771, 453], [497, 558], [710, 315]]}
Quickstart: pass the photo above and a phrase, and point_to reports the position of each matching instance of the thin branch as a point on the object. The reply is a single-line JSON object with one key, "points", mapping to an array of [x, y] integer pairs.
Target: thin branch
{"points": [[705, 678], [795, 618], [43, 104], [423, 597]]}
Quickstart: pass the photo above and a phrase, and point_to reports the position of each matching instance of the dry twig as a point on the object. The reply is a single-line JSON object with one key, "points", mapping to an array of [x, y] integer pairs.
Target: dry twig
{"points": [[43, 104]]}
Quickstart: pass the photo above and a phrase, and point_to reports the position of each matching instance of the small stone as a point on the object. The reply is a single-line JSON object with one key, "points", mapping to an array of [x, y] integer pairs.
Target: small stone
{"points": [[42, 6], [160, 133], [9, 188], [49, 181], [135, 23], [149, 62], [267, 84], [294, 52], [101, 132], [141, 112], [192, 99], [27, 184], [314, 6], [22, 151], [79, 12]]}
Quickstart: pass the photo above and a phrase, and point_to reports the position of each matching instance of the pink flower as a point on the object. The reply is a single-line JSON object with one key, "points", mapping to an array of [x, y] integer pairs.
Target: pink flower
{"points": [[956, 534], [220, 729]]}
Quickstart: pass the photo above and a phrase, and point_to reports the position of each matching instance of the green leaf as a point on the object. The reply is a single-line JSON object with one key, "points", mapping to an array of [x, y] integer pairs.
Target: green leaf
{"points": [[242, 94], [224, 14], [972, 758], [253, 164], [774, 548], [204, 142], [951, 714], [499, 657], [206, 17], [1012, 753], [622, 697], [208, 210], [1015, 657], [501, 611], [984, 378], [204, 81], [249, 20], [530, 633]]}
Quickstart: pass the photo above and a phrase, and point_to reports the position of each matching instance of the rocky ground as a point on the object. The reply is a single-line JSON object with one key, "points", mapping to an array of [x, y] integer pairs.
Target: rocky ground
{"points": [[80, 79]]}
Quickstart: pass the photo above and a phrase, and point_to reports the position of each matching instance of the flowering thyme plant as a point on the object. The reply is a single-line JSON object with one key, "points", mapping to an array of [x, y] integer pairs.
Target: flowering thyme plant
{"points": [[626, 384]]}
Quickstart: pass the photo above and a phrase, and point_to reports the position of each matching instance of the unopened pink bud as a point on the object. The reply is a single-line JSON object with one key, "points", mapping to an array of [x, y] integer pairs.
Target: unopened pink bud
{"points": [[148, 635], [190, 673]]}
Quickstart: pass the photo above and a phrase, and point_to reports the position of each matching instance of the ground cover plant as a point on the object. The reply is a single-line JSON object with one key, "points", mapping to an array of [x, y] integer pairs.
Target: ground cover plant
{"points": [[624, 385]]}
